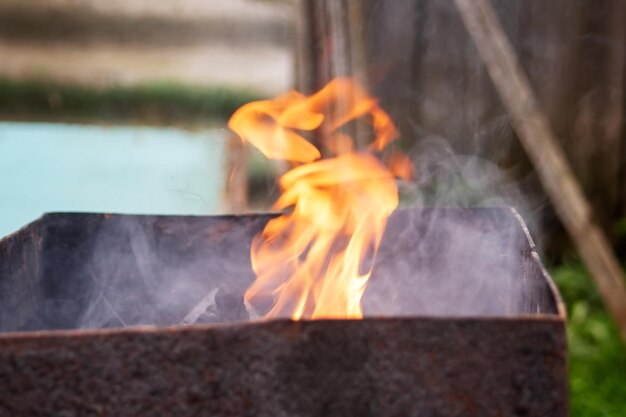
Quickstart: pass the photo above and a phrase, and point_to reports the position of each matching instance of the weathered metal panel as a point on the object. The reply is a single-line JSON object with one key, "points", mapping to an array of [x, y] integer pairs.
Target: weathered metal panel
{"points": [[374, 367], [462, 320], [99, 270]]}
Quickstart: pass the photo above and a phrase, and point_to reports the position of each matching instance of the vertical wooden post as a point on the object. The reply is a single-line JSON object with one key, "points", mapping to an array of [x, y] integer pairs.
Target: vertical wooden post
{"points": [[236, 187], [331, 43]]}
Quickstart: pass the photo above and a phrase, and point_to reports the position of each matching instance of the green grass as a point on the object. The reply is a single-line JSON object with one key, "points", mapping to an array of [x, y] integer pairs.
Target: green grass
{"points": [[597, 365], [156, 103]]}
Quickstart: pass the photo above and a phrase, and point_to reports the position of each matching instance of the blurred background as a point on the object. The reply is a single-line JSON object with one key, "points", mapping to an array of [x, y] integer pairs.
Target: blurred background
{"points": [[121, 106]]}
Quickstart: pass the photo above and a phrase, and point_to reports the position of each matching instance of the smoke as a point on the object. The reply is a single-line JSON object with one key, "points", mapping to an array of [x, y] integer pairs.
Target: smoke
{"points": [[455, 248], [444, 177], [167, 270], [444, 254], [466, 254], [466, 155], [451, 259], [440, 256]]}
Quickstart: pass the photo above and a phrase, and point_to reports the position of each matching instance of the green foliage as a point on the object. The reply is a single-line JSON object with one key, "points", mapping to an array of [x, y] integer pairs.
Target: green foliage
{"points": [[597, 355], [619, 229], [156, 103]]}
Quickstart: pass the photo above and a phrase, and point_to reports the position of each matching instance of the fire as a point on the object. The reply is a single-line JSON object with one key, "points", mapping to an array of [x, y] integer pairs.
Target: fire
{"points": [[311, 261]]}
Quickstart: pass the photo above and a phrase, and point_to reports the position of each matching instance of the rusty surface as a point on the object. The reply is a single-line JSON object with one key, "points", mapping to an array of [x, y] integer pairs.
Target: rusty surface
{"points": [[487, 339], [374, 367]]}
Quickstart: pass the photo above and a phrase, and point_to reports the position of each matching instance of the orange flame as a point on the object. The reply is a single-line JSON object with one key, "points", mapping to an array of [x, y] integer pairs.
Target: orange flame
{"points": [[311, 261]]}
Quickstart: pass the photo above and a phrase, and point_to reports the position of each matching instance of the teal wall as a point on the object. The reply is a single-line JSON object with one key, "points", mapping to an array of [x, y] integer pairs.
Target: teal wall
{"points": [[61, 167]]}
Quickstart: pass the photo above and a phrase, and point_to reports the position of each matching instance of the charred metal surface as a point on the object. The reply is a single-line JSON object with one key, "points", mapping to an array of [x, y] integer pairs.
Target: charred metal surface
{"points": [[69, 271], [463, 321], [84, 265]]}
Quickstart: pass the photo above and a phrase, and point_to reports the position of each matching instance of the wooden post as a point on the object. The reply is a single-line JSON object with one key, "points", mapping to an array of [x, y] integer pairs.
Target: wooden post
{"points": [[539, 141], [331, 43], [236, 186]]}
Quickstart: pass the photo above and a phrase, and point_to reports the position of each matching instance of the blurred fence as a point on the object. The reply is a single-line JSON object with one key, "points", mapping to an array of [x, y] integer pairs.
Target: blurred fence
{"points": [[418, 58], [414, 54]]}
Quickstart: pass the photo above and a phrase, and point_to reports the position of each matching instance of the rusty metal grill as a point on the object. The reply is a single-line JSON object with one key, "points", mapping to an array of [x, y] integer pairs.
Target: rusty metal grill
{"points": [[461, 319]]}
